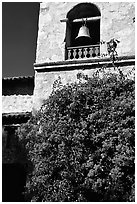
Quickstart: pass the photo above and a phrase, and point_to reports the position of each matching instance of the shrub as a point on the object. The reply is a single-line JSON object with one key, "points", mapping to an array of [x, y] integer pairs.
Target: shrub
{"points": [[81, 142]]}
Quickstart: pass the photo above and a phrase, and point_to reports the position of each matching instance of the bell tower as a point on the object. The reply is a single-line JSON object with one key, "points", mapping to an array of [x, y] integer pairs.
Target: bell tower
{"points": [[70, 41]]}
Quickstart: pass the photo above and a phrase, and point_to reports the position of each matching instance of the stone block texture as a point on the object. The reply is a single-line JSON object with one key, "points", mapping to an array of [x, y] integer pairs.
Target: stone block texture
{"points": [[116, 22]]}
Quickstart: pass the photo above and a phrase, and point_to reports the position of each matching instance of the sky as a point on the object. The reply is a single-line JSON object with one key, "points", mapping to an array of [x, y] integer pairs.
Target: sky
{"points": [[19, 38]]}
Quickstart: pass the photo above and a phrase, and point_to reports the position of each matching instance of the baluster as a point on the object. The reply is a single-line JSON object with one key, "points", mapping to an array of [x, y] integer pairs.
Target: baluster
{"points": [[85, 52], [80, 53], [91, 51], [69, 54], [96, 51], [74, 53]]}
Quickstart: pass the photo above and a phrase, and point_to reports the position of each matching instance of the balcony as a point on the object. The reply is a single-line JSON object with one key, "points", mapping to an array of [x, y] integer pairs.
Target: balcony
{"points": [[83, 52]]}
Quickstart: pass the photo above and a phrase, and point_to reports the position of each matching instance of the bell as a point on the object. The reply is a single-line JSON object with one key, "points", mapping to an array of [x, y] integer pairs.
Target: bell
{"points": [[83, 32], [83, 37]]}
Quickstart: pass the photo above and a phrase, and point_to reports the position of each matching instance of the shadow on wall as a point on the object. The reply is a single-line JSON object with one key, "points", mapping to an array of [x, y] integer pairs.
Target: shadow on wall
{"points": [[13, 182]]}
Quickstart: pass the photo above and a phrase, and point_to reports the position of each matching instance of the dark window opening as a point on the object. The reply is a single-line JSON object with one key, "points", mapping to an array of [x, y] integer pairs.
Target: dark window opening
{"points": [[94, 31], [83, 47], [13, 182]]}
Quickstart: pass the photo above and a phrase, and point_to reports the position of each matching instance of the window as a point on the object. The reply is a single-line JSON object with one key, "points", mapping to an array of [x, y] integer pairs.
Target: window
{"points": [[90, 47]]}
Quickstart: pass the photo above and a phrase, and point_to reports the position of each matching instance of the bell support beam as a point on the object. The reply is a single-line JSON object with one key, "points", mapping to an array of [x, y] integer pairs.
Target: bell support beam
{"points": [[82, 19]]}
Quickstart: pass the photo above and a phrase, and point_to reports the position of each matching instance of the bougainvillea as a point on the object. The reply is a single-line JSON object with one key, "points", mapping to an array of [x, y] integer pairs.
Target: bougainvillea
{"points": [[81, 142]]}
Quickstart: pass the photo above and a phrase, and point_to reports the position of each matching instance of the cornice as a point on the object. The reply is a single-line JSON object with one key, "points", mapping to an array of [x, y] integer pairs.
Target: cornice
{"points": [[83, 64]]}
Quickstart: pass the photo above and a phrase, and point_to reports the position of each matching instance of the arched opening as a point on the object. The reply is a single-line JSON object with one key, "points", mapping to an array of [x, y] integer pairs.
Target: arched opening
{"points": [[75, 18]]}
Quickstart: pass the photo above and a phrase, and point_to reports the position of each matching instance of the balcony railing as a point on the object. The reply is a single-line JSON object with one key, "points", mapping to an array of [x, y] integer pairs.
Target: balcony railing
{"points": [[83, 52]]}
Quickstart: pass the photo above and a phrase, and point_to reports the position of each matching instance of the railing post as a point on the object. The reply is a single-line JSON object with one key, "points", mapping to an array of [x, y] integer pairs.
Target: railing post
{"points": [[74, 53], [97, 51], [103, 49], [85, 52], [91, 51], [69, 54], [80, 53]]}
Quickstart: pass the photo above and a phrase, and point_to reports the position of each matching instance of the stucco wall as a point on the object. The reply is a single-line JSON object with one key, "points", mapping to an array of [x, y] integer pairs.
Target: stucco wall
{"points": [[17, 103], [116, 22], [44, 81]]}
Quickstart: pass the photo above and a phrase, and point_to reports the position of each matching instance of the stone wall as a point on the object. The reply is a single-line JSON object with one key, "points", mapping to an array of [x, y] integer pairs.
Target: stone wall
{"points": [[116, 22]]}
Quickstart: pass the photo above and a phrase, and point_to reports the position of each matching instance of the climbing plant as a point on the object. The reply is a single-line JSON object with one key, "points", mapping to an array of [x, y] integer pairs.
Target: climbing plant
{"points": [[81, 142]]}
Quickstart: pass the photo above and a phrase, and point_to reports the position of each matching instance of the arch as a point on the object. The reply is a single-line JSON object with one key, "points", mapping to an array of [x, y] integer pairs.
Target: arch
{"points": [[80, 11], [83, 10]]}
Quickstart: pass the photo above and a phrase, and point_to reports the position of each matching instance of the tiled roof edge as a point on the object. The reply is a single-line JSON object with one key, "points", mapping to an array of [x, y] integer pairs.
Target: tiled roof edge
{"points": [[18, 78], [15, 118], [16, 113]]}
